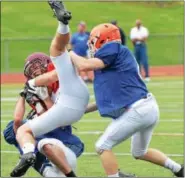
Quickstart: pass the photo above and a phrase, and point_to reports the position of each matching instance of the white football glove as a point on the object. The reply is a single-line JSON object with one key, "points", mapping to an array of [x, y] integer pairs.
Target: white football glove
{"points": [[41, 92]]}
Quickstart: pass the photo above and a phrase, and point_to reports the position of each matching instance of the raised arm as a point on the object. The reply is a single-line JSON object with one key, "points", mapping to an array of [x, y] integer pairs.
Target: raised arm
{"points": [[44, 79], [83, 64]]}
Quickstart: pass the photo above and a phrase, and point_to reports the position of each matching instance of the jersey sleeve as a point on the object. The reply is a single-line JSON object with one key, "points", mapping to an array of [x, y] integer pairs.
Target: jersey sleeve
{"points": [[108, 53]]}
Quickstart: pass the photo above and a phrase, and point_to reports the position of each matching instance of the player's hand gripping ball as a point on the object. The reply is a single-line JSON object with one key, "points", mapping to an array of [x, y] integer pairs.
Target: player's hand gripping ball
{"points": [[41, 92], [32, 98]]}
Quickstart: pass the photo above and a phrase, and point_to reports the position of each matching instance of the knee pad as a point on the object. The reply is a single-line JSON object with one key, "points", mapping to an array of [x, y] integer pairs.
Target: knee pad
{"points": [[101, 147], [46, 141], [138, 154]]}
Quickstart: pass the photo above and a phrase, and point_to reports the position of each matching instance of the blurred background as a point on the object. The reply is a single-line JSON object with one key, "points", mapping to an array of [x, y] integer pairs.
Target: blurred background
{"points": [[29, 27]]}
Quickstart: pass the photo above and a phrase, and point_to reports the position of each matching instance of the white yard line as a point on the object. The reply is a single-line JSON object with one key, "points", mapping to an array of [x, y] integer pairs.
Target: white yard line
{"points": [[155, 134], [95, 154], [8, 99], [162, 110], [97, 120], [166, 104], [162, 83], [98, 132], [11, 99]]}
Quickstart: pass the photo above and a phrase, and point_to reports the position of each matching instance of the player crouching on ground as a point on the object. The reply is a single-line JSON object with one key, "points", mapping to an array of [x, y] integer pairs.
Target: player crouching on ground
{"points": [[122, 95], [60, 141]]}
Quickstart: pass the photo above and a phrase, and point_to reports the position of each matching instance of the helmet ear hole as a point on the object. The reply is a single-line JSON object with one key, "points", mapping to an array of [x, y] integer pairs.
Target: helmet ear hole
{"points": [[102, 41]]}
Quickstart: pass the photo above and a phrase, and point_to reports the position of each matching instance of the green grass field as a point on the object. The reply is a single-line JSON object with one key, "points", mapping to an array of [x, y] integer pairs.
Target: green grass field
{"points": [[169, 93], [28, 19]]}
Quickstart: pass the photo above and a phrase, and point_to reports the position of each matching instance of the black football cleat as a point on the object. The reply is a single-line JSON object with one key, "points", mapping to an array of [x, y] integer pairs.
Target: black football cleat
{"points": [[59, 11], [180, 173], [123, 174], [24, 164]]}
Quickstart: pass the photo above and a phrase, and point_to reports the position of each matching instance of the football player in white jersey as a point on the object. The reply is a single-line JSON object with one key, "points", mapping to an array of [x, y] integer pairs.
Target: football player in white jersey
{"points": [[73, 96], [60, 147]]}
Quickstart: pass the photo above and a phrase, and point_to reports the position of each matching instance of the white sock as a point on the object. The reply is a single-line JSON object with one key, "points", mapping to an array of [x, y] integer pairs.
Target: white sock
{"points": [[114, 175], [28, 147], [63, 29], [172, 165]]}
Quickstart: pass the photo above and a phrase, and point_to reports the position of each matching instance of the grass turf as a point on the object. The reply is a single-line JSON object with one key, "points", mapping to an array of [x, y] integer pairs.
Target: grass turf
{"points": [[169, 93], [28, 19]]}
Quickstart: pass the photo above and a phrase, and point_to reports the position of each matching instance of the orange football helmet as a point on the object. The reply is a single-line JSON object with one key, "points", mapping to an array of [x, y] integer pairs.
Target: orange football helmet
{"points": [[103, 34]]}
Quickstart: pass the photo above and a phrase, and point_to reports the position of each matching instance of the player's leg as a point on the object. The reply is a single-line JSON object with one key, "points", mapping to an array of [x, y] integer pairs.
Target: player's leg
{"points": [[61, 39], [139, 147], [130, 122], [144, 61], [118, 131], [59, 155], [137, 56]]}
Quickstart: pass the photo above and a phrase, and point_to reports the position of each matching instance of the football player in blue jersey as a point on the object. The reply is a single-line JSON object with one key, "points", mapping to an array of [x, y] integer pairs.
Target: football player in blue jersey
{"points": [[122, 95], [58, 142]]}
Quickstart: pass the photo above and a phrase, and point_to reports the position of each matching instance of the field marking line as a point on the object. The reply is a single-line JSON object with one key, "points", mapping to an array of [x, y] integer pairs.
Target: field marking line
{"points": [[11, 99], [95, 154], [162, 110], [97, 120], [17, 91], [154, 134], [161, 82], [168, 105], [98, 132]]}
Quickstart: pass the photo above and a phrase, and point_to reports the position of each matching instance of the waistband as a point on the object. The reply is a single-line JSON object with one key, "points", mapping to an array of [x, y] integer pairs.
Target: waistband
{"points": [[145, 98]]}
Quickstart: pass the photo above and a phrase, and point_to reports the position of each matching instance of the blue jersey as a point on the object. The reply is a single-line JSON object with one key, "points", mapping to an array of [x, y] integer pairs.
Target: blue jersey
{"points": [[119, 84], [63, 134], [79, 43]]}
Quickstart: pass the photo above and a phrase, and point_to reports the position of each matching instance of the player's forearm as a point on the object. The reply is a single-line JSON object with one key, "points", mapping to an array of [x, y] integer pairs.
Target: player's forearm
{"points": [[19, 113], [91, 108], [83, 64], [79, 62], [19, 110], [140, 39], [45, 79], [48, 102]]}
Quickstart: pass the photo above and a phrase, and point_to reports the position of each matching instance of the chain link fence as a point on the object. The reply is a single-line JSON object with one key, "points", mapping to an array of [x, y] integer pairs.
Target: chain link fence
{"points": [[163, 49]]}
